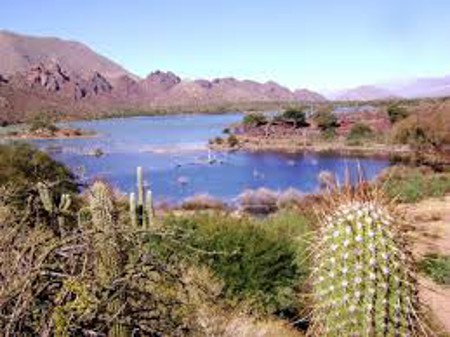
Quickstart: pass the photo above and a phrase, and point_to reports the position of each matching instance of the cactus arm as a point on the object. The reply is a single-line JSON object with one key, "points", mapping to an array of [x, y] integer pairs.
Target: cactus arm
{"points": [[46, 197], [149, 209], [133, 214], [141, 191]]}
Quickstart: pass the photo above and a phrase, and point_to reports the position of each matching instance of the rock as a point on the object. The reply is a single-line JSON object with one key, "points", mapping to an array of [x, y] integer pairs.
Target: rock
{"points": [[3, 80], [50, 76], [99, 85]]}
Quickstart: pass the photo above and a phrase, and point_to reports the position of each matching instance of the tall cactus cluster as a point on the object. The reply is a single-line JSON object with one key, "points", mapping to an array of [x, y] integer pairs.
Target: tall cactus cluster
{"points": [[363, 281], [141, 210], [106, 245], [58, 210]]}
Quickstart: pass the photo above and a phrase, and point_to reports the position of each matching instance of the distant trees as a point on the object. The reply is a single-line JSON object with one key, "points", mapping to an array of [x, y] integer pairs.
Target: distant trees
{"points": [[397, 112], [358, 133], [326, 121], [294, 115], [255, 119], [42, 122]]}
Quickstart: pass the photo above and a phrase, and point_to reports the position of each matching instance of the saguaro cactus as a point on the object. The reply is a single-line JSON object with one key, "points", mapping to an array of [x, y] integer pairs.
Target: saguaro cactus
{"points": [[142, 212], [363, 282], [58, 210]]}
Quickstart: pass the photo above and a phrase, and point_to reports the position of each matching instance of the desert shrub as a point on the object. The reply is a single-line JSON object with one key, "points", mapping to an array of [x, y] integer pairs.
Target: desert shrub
{"points": [[42, 122], [102, 278], [259, 201], [437, 267], [22, 166], [232, 140], [257, 262], [202, 202], [326, 120], [397, 112], [410, 184], [359, 133], [289, 198], [423, 131], [255, 119], [294, 115]]}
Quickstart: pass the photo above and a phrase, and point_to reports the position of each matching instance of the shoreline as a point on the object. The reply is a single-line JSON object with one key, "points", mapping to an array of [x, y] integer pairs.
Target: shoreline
{"points": [[60, 134], [253, 144]]}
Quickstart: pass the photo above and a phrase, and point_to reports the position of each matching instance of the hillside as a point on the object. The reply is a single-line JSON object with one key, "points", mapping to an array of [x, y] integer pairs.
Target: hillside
{"points": [[20, 52]]}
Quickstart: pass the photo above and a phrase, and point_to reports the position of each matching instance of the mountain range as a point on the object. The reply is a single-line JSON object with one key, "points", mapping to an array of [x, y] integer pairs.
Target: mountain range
{"points": [[409, 89], [41, 73], [38, 73]]}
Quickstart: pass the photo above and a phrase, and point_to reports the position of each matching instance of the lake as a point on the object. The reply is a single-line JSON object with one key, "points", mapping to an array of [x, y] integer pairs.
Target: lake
{"points": [[173, 152]]}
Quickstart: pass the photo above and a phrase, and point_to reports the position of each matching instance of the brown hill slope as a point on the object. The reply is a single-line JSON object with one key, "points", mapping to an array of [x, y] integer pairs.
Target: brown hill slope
{"points": [[20, 52]]}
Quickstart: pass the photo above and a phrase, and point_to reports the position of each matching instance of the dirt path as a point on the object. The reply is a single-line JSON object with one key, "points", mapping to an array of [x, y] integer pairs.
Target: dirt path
{"points": [[431, 234]]}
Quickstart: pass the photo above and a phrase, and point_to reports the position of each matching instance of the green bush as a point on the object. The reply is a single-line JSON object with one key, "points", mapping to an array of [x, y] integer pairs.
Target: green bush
{"points": [[437, 267], [397, 112], [294, 115], [326, 120], [255, 119], [408, 185], [359, 133], [42, 122], [259, 262], [22, 166]]}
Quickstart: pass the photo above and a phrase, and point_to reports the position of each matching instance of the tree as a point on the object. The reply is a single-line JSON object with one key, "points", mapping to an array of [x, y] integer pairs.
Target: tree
{"points": [[255, 119], [397, 112], [326, 120], [294, 115]]}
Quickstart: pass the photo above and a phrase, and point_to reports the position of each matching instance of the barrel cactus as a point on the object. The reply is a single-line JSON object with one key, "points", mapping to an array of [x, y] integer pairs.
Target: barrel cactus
{"points": [[364, 284]]}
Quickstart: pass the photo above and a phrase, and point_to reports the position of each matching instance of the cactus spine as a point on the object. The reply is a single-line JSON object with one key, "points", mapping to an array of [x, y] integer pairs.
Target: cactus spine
{"points": [[59, 210], [363, 284], [106, 246], [142, 212]]}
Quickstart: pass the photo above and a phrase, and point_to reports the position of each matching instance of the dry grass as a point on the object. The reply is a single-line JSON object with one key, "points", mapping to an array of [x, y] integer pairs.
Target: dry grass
{"points": [[203, 202]]}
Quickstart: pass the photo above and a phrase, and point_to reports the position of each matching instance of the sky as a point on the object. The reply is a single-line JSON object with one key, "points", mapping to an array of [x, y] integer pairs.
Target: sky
{"points": [[319, 44]]}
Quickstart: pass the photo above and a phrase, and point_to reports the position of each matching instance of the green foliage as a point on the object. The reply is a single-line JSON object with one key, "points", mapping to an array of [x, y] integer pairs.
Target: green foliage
{"points": [[397, 112], [254, 119], [359, 133], [259, 262], [423, 132], [294, 115], [437, 267], [409, 185], [24, 166], [101, 278], [326, 120], [363, 284], [42, 122]]}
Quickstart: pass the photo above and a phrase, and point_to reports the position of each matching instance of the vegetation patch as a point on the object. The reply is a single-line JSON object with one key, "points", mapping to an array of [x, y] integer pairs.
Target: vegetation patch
{"points": [[437, 267], [412, 184]]}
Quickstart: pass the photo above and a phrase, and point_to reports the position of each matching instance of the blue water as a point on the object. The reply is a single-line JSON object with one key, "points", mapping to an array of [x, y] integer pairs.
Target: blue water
{"points": [[173, 152]]}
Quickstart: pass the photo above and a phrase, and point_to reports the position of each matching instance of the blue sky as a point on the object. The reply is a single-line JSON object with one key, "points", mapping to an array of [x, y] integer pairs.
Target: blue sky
{"points": [[319, 44]]}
